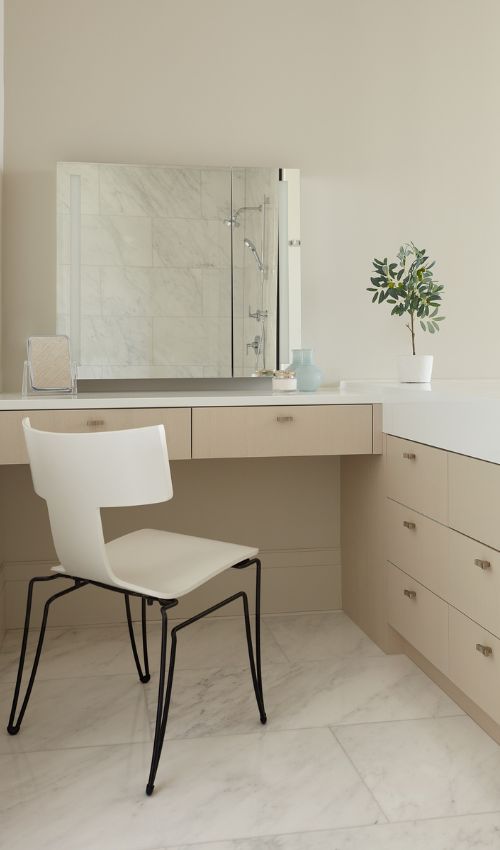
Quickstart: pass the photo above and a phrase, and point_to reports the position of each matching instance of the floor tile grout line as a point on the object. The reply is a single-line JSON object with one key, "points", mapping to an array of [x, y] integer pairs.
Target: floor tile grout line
{"points": [[325, 831], [332, 829], [356, 769], [231, 734]]}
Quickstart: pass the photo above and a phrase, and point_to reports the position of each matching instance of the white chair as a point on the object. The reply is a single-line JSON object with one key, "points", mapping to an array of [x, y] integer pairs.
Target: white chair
{"points": [[77, 475]]}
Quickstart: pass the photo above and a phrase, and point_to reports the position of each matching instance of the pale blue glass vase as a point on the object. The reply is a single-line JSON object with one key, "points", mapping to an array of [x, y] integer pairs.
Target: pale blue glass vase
{"points": [[309, 376]]}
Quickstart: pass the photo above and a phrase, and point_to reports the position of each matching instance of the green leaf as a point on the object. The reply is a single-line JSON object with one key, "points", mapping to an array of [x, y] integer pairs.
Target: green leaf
{"points": [[422, 324]]}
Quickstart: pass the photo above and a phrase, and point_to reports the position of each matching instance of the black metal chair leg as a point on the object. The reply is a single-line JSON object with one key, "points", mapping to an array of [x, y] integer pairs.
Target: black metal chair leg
{"points": [[14, 726], [258, 568], [164, 697], [255, 661], [144, 676]]}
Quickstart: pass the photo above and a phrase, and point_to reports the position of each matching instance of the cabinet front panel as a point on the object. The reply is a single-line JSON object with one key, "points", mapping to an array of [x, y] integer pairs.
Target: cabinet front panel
{"points": [[220, 432], [419, 546], [474, 580], [475, 663], [177, 422], [475, 498], [417, 477], [419, 616]]}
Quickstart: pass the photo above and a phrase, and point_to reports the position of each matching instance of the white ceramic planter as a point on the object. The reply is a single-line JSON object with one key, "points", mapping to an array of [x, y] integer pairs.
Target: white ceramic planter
{"points": [[415, 368]]}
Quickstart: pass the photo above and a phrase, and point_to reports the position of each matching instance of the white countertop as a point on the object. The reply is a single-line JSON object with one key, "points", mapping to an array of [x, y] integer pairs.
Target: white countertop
{"points": [[367, 394], [461, 416]]}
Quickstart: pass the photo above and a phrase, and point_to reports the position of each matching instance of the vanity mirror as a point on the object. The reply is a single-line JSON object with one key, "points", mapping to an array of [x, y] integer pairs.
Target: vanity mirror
{"points": [[177, 272]]}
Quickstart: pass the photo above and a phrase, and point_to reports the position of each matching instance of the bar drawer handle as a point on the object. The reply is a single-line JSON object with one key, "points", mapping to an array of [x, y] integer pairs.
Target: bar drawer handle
{"points": [[411, 525], [282, 419], [95, 423], [484, 650], [411, 594], [409, 455], [484, 565]]}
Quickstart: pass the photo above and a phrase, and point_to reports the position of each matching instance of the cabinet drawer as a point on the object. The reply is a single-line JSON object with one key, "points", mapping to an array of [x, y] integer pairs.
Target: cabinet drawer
{"points": [[477, 675], [177, 422], [419, 546], [274, 431], [419, 616], [475, 498], [417, 477], [474, 580]]}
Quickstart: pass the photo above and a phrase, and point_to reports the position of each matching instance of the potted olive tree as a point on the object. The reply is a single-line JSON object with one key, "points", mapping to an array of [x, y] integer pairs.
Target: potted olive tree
{"points": [[409, 286]]}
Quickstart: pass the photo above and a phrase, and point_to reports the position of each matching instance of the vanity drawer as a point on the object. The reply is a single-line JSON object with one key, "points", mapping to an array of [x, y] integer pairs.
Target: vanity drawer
{"points": [[475, 673], [419, 616], [417, 477], [474, 580], [475, 498], [274, 431], [419, 546], [177, 422]]}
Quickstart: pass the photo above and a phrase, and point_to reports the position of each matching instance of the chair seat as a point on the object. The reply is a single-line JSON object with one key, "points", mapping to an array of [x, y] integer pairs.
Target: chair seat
{"points": [[168, 565]]}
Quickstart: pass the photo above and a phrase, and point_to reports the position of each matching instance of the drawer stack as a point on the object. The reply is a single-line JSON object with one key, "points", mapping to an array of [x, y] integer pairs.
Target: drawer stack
{"points": [[443, 542]]}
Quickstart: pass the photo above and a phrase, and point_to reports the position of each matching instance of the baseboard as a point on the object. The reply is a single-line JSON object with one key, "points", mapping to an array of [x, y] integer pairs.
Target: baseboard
{"points": [[293, 580]]}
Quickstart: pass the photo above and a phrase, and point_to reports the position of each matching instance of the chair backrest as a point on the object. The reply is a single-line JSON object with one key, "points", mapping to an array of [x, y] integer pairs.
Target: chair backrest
{"points": [[78, 474]]}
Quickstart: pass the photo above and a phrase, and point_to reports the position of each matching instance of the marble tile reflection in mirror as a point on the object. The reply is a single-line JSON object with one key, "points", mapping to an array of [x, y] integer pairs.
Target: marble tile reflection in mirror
{"points": [[170, 272]]}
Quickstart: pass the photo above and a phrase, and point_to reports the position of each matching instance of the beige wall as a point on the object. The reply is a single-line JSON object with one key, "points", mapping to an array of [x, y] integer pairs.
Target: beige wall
{"points": [[387, 106]]}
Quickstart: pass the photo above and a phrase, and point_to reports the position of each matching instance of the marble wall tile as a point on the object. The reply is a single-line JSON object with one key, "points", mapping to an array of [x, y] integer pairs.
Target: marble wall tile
{"points": [[195, 341], [216, 193], [108, 340], [126, 291], [176, 292], [216, 290], [90, 294], [182, 243], [89, 186], [116, 241], [151, 371], [162, 191]]}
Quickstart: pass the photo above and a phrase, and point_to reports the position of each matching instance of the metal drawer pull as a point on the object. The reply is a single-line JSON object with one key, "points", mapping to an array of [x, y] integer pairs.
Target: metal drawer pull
{"points": [[409, 455], [484, 650], [411, 594], [410, 525], [485, 565], [95, 423], [284, 419]]}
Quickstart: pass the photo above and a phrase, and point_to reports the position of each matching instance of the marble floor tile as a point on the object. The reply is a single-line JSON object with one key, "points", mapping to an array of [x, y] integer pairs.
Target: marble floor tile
{"points": [[105, 650], [472, 832], [78, 713], [319, 636], [207, 790], [361, 690], [426, 768], [219, 642], [85, 651]]}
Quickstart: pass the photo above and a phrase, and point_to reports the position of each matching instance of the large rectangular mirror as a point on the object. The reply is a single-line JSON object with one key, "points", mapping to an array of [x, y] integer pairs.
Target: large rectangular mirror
{"points": [[173, 272]]}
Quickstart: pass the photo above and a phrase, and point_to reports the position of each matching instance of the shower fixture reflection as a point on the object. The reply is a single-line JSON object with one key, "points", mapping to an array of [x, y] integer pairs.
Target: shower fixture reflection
{"points": [[234, 222], [249, 244]]}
